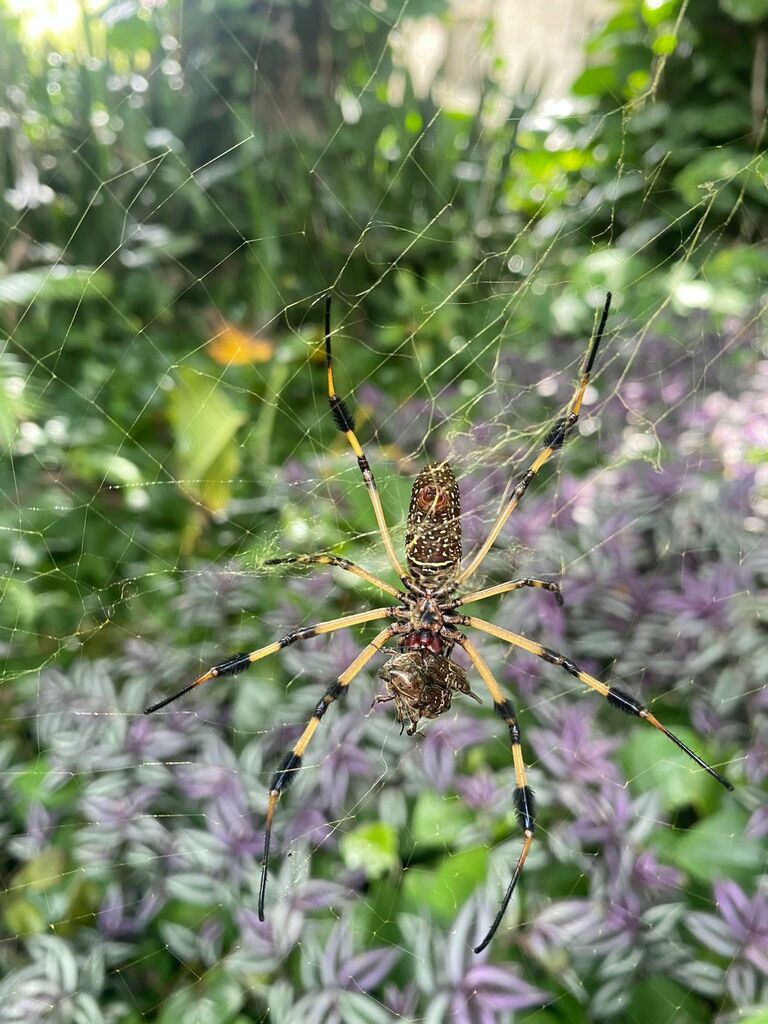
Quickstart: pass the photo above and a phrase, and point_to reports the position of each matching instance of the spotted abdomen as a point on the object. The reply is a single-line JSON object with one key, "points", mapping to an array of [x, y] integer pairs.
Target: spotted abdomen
{"points": [[433, 531]]}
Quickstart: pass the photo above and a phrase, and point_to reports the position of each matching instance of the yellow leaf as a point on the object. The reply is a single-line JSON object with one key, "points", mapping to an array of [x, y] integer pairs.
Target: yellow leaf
{"points": [[232, 347]]}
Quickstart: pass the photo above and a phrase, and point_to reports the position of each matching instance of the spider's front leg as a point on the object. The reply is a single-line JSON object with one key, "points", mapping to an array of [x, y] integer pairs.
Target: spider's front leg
{"points": [[623, 701], [291, 763], [238, 663], [523, 797], [346, 423]]}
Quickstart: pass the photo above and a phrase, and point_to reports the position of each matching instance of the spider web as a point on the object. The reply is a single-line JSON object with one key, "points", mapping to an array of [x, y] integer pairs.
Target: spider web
{"points": [[168, 430]]}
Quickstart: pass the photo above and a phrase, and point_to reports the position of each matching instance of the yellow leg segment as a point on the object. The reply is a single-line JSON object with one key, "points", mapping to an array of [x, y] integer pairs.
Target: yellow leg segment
{"points": [[291, 763], [623, 701], [523, 796], [346, 424], [505, 588], [240, 662], [553, 441], [340, 563]]}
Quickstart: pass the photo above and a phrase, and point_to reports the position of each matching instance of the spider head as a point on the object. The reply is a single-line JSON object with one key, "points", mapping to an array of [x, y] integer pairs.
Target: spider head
{"points": [[433, 531]]}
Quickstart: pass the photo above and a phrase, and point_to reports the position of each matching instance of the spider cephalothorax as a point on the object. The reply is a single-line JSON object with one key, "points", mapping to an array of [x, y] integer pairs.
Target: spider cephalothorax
{"points": [[421, 679]]}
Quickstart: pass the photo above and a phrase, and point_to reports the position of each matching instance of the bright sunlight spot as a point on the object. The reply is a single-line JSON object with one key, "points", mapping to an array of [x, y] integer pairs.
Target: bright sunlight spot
{"points": [[54, 20]]}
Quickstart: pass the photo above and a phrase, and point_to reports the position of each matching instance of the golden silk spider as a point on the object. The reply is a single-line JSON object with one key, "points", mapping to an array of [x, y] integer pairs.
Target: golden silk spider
{"points": [[421, 679]]}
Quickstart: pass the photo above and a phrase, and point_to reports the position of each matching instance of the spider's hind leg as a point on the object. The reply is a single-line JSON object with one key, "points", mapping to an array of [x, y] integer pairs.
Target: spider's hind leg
{"points": [[553, 441], [346, 424]]}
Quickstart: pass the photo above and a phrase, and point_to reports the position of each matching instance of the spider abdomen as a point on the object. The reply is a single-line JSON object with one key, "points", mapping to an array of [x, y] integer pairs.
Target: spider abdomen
{"points": [[433, 529]]}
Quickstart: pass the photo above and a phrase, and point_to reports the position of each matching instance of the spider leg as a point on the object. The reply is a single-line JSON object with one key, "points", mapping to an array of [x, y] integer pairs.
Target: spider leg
{"points": [[237, 663], [619, 699], [346, 424], [340, 563], [523, 797], [503, 588], [291, 763], [552, 442]]}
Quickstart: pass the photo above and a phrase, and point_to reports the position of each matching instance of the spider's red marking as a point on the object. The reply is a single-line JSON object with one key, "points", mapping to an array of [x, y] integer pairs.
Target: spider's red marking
{"points": [[423, 640], [431, 497]]}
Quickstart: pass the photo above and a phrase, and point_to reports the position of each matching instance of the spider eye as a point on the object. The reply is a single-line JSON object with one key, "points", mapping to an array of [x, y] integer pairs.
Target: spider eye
{"points": [[432, 497]]}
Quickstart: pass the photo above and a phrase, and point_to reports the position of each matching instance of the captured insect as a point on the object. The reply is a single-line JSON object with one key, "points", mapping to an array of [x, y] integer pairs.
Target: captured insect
{"points": [[420, 679]]}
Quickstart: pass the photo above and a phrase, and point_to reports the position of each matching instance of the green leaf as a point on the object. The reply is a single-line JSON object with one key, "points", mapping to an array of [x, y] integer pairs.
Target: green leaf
{"points": [[660, 998], [205, 423], [30, 780], [56, 282], [22, 917], [665, 44], [656, 12], [651, 762], [373, 848], [745, 10], [716, 848], [358, 1008], [42, 872], [445, 889], [192, 887], [595, 81], [438, 820], [19, 606], [756, 1017], [718, 175], [215, 999], [96, 464]]}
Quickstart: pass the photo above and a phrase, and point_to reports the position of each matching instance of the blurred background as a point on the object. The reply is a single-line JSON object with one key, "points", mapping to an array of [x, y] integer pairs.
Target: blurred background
{"points": [[180, 183]]}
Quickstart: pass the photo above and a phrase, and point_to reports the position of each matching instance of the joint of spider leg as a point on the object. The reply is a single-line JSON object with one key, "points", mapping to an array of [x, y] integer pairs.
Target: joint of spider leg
{"points": [[507, 714], [413, 588], [555, 439], [285, 775], [332, 694], [558, 659], [231, 666], [525, 810], [625, 702], [342, 416], [457, 620]]}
